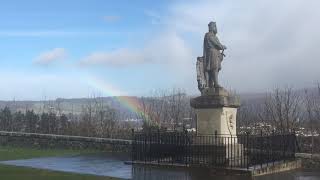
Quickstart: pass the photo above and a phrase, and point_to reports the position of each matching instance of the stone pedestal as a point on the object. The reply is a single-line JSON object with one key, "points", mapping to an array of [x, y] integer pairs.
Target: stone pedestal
{"points": [[220, 120], [216, 112]]}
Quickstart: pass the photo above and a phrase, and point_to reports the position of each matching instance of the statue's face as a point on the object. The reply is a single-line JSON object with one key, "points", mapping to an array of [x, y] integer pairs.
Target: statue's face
{"points": [[213, 28]]}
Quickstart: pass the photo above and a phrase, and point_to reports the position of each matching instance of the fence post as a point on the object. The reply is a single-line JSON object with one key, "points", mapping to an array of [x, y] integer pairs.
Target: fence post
{"points": [[158, 146], [283, 147], [132, 134], [132, 145], [294, 143], [248, 149], [260, 158], [272, 146], [186, 147]]}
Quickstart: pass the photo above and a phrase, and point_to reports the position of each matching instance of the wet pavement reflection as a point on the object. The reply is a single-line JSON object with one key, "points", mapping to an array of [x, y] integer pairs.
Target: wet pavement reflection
{"points": [[112, 165]]}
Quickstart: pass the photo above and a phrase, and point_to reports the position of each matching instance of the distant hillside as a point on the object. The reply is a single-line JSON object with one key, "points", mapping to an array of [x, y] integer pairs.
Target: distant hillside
{"points": [[76, 105], [66, 106]]}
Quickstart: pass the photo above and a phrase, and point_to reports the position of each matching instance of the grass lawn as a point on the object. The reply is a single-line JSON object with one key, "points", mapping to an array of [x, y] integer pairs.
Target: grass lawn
{"points": [[12, 153], [17, 173]]}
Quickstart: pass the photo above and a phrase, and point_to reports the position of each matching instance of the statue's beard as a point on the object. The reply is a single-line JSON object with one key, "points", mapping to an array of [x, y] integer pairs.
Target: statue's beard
{"points": [[213, 31]]}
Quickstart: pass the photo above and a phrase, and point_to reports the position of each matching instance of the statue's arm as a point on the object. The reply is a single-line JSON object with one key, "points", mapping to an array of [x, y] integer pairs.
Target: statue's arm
{"points": [[216, 43]]}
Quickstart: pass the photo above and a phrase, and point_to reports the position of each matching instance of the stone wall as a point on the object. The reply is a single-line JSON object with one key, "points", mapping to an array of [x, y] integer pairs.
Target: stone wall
{"points": [[64, 142], [309, 161], [277, 168]]}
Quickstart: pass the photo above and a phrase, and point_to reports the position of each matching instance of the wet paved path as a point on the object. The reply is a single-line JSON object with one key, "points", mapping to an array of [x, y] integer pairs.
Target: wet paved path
{"points": [[112, 165], [98, 164]]}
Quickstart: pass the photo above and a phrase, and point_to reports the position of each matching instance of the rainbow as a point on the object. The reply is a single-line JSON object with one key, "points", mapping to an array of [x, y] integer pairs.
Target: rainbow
{"points": [[130, 102]]}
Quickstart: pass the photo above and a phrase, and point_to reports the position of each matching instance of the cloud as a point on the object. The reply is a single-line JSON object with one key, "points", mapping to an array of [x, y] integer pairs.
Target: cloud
{"points": [[119, 57], [111, 18], [51, 56], [270, 43], [166, 54], [165, 48]]}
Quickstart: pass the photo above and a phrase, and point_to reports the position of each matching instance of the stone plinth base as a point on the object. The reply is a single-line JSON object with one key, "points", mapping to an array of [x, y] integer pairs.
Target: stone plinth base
{"points": [[220, 120], [214, 101], [216, 112], [216, 115]]}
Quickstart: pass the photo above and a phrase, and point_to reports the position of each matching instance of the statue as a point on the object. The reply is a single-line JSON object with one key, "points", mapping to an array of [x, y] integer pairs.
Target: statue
{"points": [[216, 108], [209, 65]]}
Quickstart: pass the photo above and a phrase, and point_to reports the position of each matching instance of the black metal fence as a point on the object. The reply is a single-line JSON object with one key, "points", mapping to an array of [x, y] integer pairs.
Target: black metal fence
{"points": [[309, 144], [241, 151]]}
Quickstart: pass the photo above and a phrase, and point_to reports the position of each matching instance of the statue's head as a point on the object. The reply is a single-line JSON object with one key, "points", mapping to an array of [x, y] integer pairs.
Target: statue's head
{"points": [[212, 27]]}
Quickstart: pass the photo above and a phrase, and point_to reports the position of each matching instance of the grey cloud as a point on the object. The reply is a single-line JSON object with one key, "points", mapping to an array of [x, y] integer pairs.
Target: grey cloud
{"points": [[270, 43]]}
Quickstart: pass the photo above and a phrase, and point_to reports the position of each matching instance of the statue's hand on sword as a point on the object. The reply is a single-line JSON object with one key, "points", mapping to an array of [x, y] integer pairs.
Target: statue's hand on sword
{"points": [[222, 53], [224, 48]]}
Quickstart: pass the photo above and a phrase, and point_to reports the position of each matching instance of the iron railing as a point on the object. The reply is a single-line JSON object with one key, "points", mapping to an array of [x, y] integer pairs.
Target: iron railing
{"points": [[217, 150]]}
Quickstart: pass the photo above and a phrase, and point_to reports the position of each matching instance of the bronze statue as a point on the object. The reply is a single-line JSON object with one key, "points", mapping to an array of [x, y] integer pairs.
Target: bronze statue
{"points": [[209, 65]]}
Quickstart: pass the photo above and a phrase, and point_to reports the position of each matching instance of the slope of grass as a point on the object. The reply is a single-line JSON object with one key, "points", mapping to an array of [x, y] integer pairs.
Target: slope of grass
{"points": [[12, 153]]}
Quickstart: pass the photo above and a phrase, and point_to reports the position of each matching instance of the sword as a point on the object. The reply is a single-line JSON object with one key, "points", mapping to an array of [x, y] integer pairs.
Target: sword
{"points": [[222, 53]]}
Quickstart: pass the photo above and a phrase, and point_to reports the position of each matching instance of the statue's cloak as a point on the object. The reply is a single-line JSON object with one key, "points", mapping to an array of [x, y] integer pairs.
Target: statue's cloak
{"points": [[211, 52]]}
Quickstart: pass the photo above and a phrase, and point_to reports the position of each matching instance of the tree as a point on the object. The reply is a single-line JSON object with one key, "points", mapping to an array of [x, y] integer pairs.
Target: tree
{"points": [[6, 119], [44, 126], [31, 121], [166, 109], [64, 125], [18, 121], [53, 125], [247, 116], [282, 109], [176, 103], [105, 118], [312, 106], [88, 124]]}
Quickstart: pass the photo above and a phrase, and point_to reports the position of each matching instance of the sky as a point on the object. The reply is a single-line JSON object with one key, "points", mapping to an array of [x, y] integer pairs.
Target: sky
{"points": [[71, 49]]}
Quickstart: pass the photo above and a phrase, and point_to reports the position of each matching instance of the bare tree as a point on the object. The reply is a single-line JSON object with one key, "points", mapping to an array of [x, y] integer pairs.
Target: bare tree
{"points": [[281, 108], [166, 109], [104, 117], [86, 126], [248, 115], [317, 109], [6, 119]]}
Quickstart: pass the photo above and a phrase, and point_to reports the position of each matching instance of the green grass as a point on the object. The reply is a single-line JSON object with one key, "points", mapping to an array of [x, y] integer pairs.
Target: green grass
{"points": [[12, 153], [21, 173], [18, 173]]}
